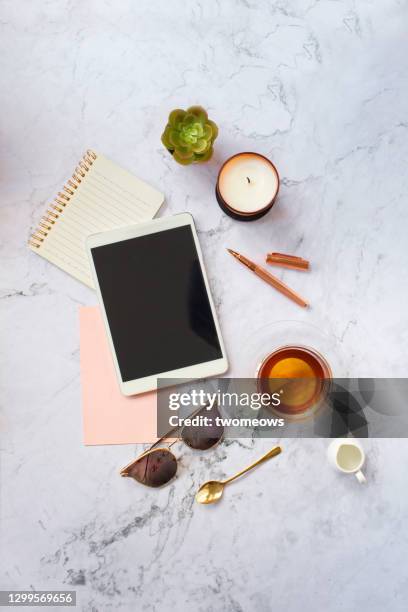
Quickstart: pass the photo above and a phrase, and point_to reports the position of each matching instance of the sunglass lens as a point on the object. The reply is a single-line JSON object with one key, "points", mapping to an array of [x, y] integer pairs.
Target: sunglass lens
{"points": [[154, 469], [203, 437]]}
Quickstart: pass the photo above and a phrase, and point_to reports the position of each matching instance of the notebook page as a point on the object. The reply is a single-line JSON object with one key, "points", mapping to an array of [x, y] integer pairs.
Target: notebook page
{"points": [[107, 197], [108, 416]]}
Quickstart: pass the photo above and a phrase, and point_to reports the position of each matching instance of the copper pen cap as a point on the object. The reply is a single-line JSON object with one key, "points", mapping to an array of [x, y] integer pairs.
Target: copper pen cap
{"points": [[287, 261]]}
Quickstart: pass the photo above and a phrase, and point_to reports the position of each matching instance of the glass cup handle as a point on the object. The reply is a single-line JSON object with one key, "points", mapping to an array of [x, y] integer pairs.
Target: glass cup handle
{"points": [[360, 477]]}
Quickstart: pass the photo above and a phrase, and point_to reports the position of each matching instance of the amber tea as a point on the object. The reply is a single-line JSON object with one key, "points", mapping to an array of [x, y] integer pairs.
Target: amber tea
{"points": [[301, 376]]}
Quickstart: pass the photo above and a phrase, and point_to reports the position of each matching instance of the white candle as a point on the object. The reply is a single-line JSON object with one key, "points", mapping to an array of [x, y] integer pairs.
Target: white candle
{"points": [[248, 184]]}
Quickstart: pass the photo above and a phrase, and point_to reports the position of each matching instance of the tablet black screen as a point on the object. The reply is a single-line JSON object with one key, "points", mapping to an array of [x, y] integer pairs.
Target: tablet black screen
{"points": [[156, 303]]}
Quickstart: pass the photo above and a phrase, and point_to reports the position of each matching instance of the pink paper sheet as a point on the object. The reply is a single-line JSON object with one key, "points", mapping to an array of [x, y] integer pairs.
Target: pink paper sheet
{"points": [[108, 416]]}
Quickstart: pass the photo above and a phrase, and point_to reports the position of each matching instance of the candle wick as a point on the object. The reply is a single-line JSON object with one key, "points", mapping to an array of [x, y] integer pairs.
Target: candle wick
{"points": [[248, 179]]}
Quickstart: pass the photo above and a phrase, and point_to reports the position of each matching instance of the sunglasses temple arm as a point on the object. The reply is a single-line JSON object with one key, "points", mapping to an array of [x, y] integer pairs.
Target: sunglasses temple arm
{"points": [[166, 435]]}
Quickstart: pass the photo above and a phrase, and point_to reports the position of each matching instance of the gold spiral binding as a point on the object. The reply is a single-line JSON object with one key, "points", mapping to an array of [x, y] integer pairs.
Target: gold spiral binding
{"points": [[62, 199], [63, 196], [71, 184], [44, 225], [48, 220]]}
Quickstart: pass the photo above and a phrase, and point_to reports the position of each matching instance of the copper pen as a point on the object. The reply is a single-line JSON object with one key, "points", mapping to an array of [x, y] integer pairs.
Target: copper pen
{"points": [[270, 279]]}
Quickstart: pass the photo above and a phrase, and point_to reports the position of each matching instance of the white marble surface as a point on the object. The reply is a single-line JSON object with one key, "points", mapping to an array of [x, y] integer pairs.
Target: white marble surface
{"points": [[321, 88]]}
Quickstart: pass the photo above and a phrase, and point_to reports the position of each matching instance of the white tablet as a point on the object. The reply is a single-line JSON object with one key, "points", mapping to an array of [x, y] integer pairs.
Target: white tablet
{"points": [[156, 303]]}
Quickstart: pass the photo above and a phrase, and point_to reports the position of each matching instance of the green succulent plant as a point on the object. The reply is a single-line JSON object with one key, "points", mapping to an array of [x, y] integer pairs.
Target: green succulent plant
{"points": [[189, 135]]}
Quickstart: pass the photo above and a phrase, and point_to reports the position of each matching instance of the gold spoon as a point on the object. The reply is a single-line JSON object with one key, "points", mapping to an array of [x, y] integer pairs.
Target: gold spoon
{"points": [[212, 490]]}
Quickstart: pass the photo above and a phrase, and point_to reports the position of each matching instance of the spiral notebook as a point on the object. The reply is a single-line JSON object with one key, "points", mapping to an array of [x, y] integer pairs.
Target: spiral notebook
{"points": [[99, 196]]}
